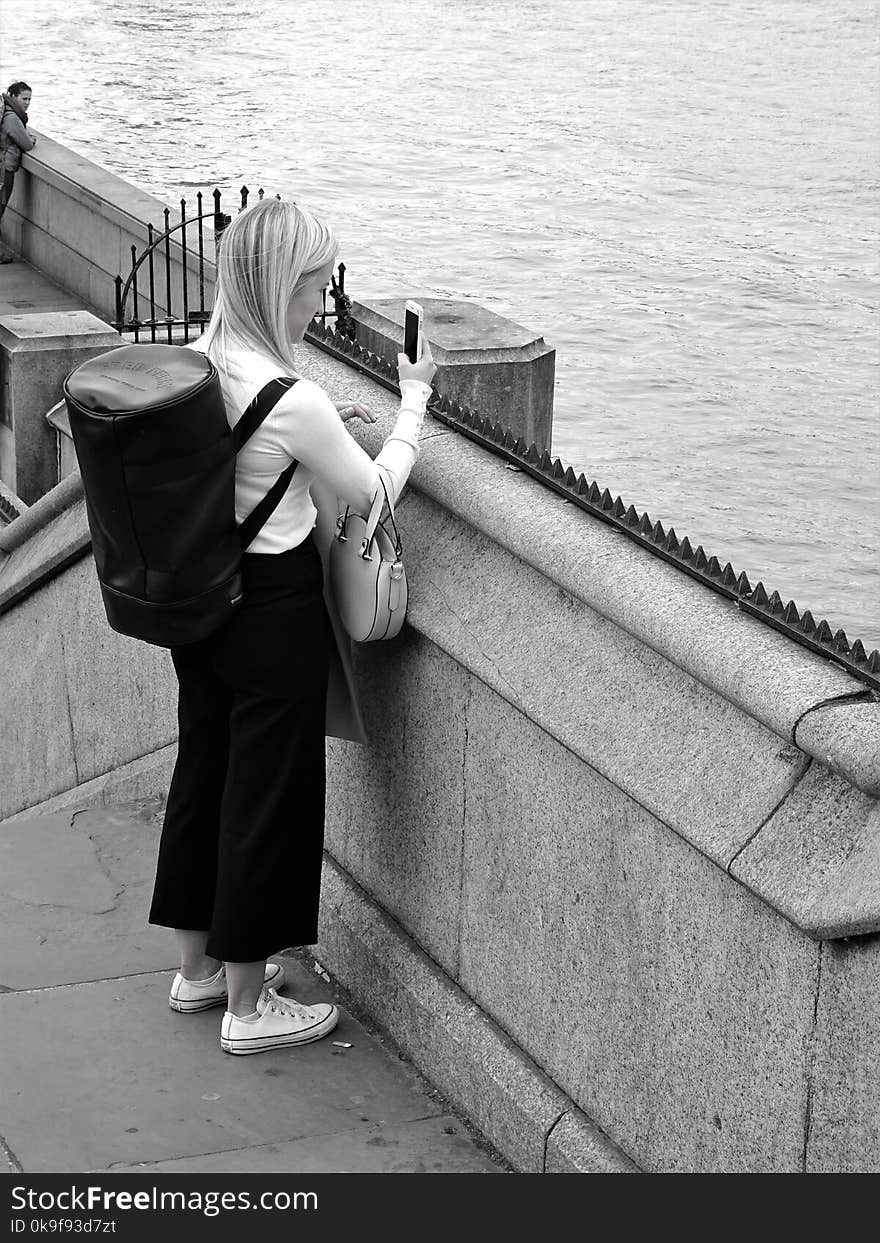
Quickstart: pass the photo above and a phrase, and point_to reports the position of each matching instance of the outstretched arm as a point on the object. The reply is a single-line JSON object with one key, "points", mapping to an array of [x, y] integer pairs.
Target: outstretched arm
{"points": [[315, 435]]}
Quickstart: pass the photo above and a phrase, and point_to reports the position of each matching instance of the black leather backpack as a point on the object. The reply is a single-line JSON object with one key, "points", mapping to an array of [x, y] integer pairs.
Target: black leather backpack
{"points": [[157, 459]]}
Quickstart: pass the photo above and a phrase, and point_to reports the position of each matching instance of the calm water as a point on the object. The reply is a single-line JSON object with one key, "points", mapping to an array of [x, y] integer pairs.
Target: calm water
{"points": [[681, 195]]}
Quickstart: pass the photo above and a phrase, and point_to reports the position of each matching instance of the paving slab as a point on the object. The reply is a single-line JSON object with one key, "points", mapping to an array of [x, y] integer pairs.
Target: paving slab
{"points": [[98, 1072], [438, 1145], [103, 1073], [74, 897], [23, 288]]}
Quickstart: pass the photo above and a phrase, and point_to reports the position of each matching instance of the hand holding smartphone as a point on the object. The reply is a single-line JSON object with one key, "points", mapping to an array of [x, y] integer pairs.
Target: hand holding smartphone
{"points": [[412, 331], [416, 361]]}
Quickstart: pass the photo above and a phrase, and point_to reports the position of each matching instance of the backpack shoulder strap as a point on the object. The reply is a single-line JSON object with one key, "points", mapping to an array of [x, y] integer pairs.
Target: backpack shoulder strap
{"points": [[265, 401], [259, 409]]}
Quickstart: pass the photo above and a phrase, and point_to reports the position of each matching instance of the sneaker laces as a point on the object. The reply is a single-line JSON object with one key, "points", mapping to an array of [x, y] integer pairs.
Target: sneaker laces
{"points": [[286, 1005]]}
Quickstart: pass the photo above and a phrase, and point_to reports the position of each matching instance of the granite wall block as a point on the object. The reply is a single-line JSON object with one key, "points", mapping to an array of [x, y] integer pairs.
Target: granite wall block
{"points": [[698, 763], [673, 1007], [395, 809], [123, 693], [476, 1065], [37, 755], [843, 1132]]}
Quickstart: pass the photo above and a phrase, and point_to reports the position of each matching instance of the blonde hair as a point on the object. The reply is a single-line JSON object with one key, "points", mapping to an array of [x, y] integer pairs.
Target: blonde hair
{"points": [[266, 255]]}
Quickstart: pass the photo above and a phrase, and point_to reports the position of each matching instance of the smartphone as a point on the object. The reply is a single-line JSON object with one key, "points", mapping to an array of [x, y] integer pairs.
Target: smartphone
{"points": [[412, 331]]}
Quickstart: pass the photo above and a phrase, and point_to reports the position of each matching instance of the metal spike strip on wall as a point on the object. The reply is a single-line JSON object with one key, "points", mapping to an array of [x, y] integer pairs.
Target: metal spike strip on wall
{"points": [[786, 618]]}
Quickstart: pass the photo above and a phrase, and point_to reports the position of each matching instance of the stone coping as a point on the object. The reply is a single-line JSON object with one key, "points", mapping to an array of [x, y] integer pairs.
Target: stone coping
{"points": [[459, 331], [47, 538], [95, 187], [38, 516], [115, 200], [32, 332], [802, 697], [763, 672], [11, 506], [816, 860]]}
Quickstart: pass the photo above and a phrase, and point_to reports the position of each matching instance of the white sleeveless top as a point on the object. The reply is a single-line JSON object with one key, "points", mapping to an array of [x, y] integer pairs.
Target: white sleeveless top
{"points": [[264, 456]]}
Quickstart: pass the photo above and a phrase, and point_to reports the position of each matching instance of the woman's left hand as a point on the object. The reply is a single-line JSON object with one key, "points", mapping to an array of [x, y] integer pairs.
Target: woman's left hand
{"points": [[354, 410]]}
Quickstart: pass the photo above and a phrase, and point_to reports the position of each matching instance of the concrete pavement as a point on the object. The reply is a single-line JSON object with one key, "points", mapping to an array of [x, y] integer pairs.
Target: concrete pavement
{"points": [[98, 1073], [24, 291]]}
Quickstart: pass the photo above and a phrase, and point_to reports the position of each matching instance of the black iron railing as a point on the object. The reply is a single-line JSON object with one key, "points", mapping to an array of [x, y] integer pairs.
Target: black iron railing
{"points": [[164, 292]]}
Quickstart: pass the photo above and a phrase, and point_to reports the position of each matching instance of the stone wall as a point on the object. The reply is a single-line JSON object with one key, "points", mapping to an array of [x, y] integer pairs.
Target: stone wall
{"points": [[610, 862], [77, 223]]}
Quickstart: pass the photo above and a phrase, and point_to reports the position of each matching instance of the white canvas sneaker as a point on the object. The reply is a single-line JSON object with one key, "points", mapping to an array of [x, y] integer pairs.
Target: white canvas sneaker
{"points": [[280, 1021], [188, 996]]}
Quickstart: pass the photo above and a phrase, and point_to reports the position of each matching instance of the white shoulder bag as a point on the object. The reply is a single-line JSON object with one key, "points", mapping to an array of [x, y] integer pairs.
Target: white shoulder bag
{"points": [[367, 577]]}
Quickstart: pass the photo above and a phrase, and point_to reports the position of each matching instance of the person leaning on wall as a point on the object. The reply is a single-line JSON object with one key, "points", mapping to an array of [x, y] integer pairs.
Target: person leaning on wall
{"points": [[239, 868], [15, 139]]}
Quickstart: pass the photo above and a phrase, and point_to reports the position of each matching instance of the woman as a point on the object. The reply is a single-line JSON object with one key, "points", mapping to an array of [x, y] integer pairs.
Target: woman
{"points": [[239, 866], [15, 139]]}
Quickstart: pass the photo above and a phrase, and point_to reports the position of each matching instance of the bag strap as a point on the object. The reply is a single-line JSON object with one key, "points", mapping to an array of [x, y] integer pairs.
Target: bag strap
{"points": [[380, 500], [264, 402], [259, 409]]}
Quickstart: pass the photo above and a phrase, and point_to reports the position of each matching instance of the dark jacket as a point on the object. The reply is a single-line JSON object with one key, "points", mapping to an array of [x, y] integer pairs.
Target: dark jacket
{"points": [[15, 137]]}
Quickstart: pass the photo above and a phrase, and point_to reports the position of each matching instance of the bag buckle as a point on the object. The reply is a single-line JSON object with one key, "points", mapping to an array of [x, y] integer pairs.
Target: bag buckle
{"points": [[396, 588]]}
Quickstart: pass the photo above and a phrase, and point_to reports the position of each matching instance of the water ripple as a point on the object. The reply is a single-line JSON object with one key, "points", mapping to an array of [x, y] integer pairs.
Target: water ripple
{"points": [[681, 196]]}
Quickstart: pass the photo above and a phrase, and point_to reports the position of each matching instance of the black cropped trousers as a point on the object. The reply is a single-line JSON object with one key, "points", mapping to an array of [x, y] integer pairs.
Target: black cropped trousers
{"points": [[241, 845]]}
